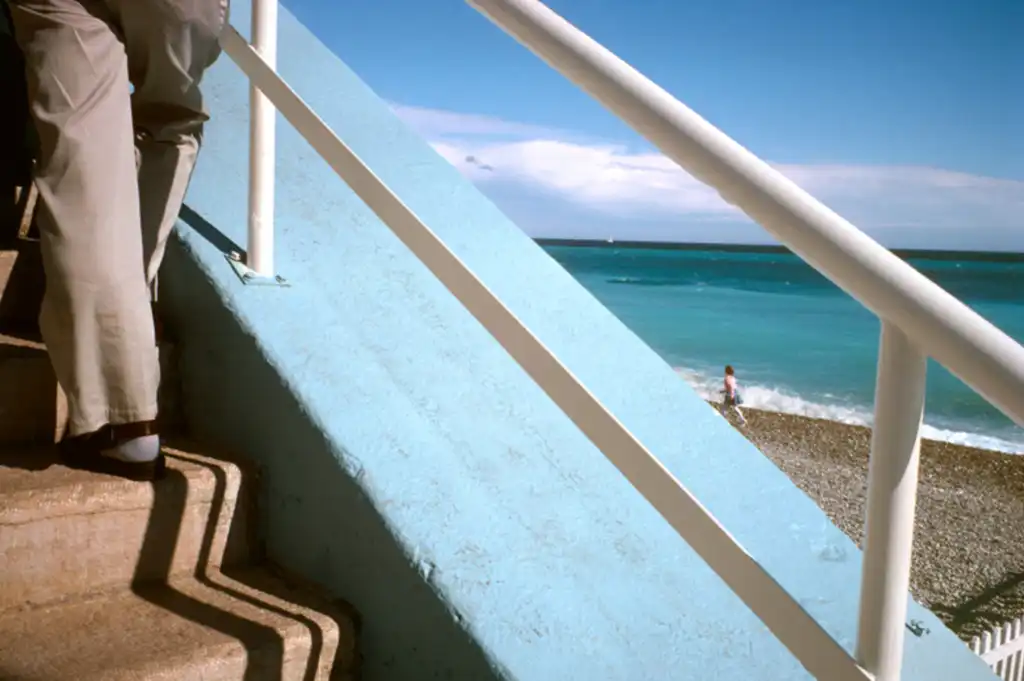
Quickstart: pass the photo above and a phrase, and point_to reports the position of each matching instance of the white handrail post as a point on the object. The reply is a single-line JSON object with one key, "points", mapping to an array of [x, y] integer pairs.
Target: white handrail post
{"points": [[891, 496], [260, 253]]}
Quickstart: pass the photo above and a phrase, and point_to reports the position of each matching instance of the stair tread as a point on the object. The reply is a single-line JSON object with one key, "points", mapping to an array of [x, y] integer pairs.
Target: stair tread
{"points": [[66, 532], [34, 485], [246, 625], [30, 339], [19, 347], [9, 341]]}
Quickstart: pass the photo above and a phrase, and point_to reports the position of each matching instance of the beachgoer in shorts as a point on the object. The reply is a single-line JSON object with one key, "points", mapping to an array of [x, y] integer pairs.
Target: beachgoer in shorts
{"points": [[731, 395], [113, 167]]}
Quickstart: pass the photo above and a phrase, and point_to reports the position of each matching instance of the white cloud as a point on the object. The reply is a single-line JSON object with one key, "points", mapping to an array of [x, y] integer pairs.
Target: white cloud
{"points": [[605, 178], [611, 180]]}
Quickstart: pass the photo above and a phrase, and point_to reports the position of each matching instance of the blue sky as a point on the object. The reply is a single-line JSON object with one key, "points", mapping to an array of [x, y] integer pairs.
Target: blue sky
{"points": [[907, 117]]}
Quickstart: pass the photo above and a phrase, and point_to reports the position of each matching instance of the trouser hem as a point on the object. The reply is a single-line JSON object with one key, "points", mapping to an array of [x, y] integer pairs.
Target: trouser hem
{"points": [[113, 417]]}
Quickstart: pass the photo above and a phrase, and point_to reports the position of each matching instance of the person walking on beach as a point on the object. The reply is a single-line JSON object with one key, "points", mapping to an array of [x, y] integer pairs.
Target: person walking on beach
{"points": [[731, 398], [112, 171]]}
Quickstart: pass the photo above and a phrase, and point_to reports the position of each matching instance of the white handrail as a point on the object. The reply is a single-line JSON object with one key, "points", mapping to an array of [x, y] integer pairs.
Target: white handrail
{"points": [[820, 654], [262, 147], [981, 355]]}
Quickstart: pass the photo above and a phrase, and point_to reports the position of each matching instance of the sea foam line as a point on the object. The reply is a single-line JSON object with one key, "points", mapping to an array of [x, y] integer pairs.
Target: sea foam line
{"points": [[782, 402]]}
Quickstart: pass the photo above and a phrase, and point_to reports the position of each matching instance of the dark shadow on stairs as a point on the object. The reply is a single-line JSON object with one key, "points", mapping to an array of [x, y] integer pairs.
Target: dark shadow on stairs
{"points": [[264, 645], [30, 414], [22, 297], [18, 202], [18, 144], [155, 558], [28, 458], [250, 535]]}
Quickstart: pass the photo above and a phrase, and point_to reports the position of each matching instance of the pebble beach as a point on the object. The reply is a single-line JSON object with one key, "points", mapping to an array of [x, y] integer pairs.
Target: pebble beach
{"points": [[968, 563]]}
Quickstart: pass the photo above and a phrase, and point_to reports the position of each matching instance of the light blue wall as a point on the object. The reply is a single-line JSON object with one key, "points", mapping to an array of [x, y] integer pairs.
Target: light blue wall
{"points": [[413, 468]]}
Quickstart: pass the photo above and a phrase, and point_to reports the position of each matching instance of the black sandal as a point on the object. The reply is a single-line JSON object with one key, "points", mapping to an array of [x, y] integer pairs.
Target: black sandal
{"points": [[84, 452]]}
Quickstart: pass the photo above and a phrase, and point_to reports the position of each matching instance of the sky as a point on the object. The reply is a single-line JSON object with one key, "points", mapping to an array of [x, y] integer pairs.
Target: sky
{"points": [[906, 116]]}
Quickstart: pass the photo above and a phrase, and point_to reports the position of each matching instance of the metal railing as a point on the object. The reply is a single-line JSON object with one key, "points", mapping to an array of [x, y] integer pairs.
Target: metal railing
{"points": [[262, 146], [919, 319]]}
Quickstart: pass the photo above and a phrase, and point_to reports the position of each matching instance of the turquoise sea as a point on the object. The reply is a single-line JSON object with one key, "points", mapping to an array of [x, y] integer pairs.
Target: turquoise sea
{"points": [[799, 344]]}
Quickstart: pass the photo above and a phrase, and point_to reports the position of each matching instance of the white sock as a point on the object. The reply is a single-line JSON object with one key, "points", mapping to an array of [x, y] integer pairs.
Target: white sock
{"points": [[139, 450]]}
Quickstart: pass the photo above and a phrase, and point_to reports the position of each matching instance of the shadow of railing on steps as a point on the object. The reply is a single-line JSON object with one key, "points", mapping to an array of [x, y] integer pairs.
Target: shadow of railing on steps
{"points": [[156, 556], [264, 645]]}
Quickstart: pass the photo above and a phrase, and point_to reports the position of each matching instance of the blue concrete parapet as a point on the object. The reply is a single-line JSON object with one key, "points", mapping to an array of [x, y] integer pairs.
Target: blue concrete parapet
{"points": [[414, 469]]}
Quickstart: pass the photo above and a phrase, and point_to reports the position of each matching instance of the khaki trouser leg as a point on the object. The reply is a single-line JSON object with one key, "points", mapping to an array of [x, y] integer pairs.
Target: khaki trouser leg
{"points": [[170, 45], [112, 176], [96, 317]]}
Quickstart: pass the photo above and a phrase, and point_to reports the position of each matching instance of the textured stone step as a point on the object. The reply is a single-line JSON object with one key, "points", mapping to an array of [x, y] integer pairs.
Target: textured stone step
{"points": [[65, 532], [33, 408], [21, 286], [7, 260], [244, 627]]}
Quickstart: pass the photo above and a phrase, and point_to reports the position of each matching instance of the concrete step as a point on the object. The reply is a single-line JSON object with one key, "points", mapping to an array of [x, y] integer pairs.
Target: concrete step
{"points": [[33, 408], [66, 532], [243, 626], [8, 256], [21, 285]]}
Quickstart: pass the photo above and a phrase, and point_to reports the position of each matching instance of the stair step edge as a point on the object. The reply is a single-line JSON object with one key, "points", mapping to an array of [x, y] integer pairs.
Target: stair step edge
{"points": [[213, 628], [32, 495]]}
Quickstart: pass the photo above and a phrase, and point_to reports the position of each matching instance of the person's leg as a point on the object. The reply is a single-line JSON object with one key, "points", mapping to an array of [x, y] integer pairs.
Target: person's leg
{"points": [[170, 45], [743, 419], [95, 315]]}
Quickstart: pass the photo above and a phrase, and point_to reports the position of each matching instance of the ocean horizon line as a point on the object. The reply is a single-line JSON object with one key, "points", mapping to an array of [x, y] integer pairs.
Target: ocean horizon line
{"points": [[905, 253]]}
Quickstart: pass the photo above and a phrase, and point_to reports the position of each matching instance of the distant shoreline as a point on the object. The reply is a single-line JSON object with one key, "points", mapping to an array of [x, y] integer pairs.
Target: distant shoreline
{"points": [[905, 253]]}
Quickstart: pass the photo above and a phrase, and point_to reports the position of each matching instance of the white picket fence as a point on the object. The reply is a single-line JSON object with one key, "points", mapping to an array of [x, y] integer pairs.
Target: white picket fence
{"points": [[1003, 649]]}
